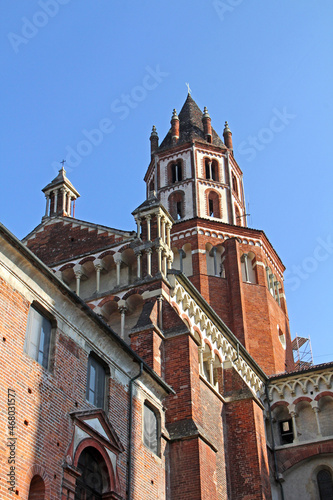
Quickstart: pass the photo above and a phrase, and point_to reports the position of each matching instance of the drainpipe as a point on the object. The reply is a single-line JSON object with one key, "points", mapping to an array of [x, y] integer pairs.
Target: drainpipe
{"points": [[273, 444], [130, 422]]}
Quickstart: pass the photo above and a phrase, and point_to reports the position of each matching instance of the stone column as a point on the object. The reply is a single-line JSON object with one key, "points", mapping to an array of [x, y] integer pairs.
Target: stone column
{"points": [[211, 369], [55, 200], [293, 414], [138, 265], [244, 259], [316, 410], [117, 259], [158, 225], [148, 218], [64, 193], [69, 199], [47, 196], [159, 259], [163, 229], [164, 269], [149, 252], [168, 228], [123, 309], [98, 264], [215, 262], [78, 275], [138, 227], [201, 350]]}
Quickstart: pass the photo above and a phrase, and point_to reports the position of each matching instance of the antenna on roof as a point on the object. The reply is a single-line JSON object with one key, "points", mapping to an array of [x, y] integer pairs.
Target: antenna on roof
{"points": [[189, 91]]}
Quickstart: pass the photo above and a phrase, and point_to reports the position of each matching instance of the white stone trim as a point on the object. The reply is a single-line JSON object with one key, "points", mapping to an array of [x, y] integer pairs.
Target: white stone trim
{"points": [[214, 334]]}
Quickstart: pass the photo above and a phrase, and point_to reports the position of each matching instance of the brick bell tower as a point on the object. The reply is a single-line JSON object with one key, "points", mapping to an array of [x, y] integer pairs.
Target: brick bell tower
{"points": [[195, 176]]}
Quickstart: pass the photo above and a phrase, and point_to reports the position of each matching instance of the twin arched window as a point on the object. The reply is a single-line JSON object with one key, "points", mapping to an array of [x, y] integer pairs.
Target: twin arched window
{"points": [[211, 169], [175, 172]]}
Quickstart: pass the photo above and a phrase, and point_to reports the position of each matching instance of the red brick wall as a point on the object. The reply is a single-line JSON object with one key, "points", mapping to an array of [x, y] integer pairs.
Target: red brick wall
{"points": [[61, 241], [44, 400], [247, 461]]}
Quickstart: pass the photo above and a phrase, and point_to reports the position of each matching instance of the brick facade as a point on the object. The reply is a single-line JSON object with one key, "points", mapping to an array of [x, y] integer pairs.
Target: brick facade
{"points": [[193, 347]]}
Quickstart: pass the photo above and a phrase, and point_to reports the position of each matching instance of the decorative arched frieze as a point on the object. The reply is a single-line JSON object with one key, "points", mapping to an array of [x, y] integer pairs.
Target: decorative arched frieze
{"points": [[213, 334]]}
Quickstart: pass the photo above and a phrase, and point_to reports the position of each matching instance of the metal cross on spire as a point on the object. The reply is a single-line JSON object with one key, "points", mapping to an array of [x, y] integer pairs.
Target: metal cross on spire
{"points": [[62, 164], [188, 88]]}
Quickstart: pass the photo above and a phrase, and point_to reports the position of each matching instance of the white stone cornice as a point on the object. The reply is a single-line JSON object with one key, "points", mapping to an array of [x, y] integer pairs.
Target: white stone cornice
{"points": [[297, 385], [215, 334]]}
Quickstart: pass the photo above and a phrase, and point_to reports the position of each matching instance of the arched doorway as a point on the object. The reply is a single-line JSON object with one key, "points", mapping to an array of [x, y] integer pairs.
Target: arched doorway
{"points": [[94, 476], [37, 489]]}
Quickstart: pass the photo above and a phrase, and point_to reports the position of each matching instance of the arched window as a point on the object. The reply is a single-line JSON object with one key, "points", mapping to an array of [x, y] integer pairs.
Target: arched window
{"points": [[238, 216], [150, 428], [215, 260], [234, 184], [248, 272], [325, 484], [213, 202], [211, 169], [176, 205], [175, 172], [37, 489], [94, 476], [151, 186]]}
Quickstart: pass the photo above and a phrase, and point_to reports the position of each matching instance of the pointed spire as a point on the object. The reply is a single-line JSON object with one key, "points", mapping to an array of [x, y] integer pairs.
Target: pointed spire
{"points": [[227, 135]]}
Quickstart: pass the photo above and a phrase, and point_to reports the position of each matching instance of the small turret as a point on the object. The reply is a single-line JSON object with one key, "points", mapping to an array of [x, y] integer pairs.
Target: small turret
{"points": [[60, 196], [174, 127], [153, 141], [227, 136], [207, 124]]}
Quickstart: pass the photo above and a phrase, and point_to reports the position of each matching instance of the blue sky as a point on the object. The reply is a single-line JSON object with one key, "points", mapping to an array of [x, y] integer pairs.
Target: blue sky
{"points": [[70, 68]]}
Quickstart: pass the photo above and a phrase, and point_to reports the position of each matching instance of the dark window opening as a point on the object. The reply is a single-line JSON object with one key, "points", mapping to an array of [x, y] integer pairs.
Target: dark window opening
{"points": [[213, 205], [207, 169], [234, 184], [286, 431], [96, 382], [150, 429], [38, 337], [325, 484], [89, 486], [178, 210], [211, 208]]}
